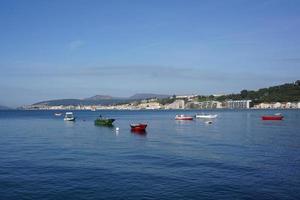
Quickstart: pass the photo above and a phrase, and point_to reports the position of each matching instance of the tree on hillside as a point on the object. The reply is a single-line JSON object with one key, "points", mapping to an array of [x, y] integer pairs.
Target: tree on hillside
{"points": [[244, 94]]}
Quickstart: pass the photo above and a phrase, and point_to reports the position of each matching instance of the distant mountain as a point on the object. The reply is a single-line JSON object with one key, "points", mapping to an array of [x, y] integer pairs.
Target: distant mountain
{"points": [[57, 102], [88, 101], [99, 97], [99, 100], [148, 96], [4, 108]]}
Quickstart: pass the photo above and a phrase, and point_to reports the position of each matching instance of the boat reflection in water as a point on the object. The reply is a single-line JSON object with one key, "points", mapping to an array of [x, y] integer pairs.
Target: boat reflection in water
{"points": [[139, 132]]}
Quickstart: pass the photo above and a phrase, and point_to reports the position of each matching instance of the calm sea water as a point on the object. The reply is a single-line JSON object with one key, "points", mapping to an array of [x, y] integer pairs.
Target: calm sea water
{"points": [[237, 157]]}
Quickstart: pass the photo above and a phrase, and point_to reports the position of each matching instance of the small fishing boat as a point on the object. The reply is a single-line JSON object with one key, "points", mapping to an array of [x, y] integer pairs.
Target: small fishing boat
{"points": [[208, 122], [102, 121], [272, 117], [183, 117], [206, 116], [69, 116], [138, 127], [58, 114]]}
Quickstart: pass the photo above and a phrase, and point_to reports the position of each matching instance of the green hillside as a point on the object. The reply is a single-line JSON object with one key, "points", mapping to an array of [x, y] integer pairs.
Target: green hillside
{"points": [[289, 92]]}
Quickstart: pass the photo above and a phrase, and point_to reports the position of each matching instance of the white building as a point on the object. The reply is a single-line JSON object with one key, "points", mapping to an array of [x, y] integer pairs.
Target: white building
{"points": [[149, 105], [238, 104], [178, 104], [288, 105], [188, 97], [210, 104], [263, 106], [277, 105]]}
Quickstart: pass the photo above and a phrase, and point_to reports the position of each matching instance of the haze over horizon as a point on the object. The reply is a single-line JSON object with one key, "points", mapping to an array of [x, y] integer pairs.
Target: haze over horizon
{"points": [[78, 49]]}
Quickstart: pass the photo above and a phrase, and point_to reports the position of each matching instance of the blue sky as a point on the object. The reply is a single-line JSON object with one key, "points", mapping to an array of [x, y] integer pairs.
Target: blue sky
{"points": [[80, 48]]}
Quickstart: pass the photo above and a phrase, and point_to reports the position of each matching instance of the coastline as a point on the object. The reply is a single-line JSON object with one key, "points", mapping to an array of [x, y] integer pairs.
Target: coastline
{"points": [[186, 109]]}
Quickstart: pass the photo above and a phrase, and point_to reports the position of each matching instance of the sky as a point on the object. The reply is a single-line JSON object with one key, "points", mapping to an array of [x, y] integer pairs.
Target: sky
{"points": [[53, 49]]}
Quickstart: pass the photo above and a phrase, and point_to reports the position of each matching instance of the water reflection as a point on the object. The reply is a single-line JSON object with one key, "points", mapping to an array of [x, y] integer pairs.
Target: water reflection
{"points": [[182, 122], [107, 128], [69, 123], [139, 132], [37, 150], [111, 126]]}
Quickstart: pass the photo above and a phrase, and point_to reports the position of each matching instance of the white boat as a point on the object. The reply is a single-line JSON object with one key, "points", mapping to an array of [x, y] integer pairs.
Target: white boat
{"points": [[183, 117], [58, 114], [206, 116], [69, 116]]}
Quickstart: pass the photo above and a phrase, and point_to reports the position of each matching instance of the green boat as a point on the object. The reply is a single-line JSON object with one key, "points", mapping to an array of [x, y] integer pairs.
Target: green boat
{"points": [[104, 121]]}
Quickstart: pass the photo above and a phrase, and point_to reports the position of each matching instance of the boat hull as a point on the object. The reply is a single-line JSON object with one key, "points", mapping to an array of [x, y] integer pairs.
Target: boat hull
{"points": [[70, 119], [138, 127], [206, 116], [104, 122], [184, 118], [272, 117]]}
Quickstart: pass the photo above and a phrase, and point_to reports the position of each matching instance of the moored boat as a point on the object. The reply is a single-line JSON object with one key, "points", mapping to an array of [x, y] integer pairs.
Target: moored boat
{"points": [[58, 114], [138, 127], [101, 121], [206, 116], [69, 116], [183, 117], [272, 117]]}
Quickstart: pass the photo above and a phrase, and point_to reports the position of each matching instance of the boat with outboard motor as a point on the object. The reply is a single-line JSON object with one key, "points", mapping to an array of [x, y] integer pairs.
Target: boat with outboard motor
{"points": [[102, 121], [69, 116]]}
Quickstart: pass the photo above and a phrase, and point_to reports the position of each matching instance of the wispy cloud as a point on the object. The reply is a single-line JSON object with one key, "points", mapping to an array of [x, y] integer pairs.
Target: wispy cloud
{"points": [[172, 73], [149, 72], [76, 44], [291, 60]]}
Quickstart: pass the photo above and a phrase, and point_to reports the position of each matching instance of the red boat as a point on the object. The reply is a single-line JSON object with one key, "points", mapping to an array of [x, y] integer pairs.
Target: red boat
{"points": [[138, 127], [183, 117], [272, 117]]}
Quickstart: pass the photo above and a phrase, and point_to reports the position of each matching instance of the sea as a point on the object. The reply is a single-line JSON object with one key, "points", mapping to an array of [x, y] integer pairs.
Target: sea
{"points": [[238, 156]]}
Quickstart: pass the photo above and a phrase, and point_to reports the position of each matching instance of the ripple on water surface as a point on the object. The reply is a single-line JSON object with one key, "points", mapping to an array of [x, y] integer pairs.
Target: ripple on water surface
{"points": [[238, 156]]}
